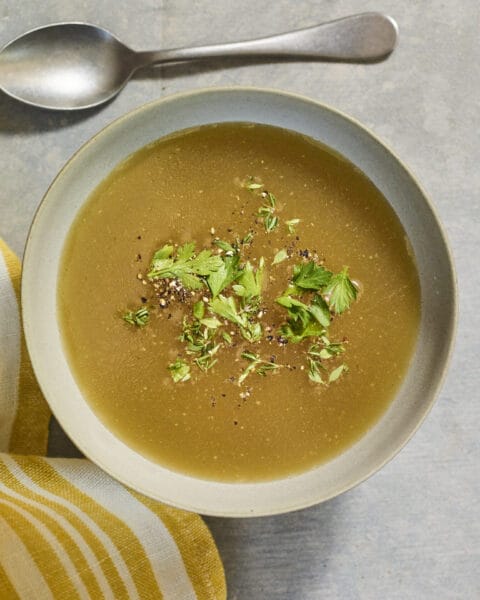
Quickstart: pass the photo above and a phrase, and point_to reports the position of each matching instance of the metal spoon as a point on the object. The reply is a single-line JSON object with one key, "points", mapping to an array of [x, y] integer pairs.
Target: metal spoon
{"points": [[71, 66]]}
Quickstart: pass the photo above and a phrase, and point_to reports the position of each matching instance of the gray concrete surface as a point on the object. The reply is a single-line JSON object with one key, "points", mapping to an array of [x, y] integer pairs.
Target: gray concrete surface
{"points": [[413, 530]]}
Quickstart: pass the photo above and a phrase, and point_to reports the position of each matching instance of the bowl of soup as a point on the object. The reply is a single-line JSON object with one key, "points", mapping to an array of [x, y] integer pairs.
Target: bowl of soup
{"points": [[238, 301]]}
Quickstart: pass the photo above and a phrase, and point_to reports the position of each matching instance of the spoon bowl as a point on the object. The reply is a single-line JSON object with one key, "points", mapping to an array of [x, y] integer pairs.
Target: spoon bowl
{"points": [[65, 66], [71, 66]]}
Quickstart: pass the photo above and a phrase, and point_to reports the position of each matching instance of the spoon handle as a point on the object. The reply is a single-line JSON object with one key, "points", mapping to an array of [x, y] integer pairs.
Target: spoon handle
{"points": [[362, 37]]}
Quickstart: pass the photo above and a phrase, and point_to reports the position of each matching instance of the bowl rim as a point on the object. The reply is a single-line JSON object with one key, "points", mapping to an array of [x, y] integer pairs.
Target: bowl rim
{"points": [[435, 386]]}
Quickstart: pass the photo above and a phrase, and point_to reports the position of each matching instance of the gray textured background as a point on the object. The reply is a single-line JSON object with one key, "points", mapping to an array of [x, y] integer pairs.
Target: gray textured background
{"points": [[413, 530]]}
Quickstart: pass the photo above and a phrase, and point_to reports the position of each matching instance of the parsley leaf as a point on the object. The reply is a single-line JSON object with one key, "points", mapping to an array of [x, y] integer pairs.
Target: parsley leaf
{"points": [[200, 337], [227, 273], [164, 252], [310, 276], [330, 350], [250, 281], [299, 310], [198, 310], [340, 292], [226, 246], [261, 367], [247, 239], [227, 309], [266, 211], [139, 317], [280, 256], [302, 322], [335, 374], [253, 185], [179, 370], [314, 371], [186, 266], [319, 309], [291, 225]]}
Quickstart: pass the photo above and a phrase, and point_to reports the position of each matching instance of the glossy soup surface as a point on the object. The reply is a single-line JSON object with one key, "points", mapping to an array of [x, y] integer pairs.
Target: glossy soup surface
{"points": [[188, 187]]}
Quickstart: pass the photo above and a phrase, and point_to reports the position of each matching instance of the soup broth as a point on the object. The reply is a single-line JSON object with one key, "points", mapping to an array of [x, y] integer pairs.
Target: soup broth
{"points": [[196, 186]]}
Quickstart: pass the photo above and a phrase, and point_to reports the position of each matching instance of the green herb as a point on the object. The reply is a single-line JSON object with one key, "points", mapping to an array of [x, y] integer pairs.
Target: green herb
{"points": [[303, 317], [270, 222], [179, 370], [266, 211], [340, 292], [314, 371], [200, 337], [250, 281], [271, 199], [335, 374], [235, 287], [319, 309], [252, 332], [291, 225], [310, 276], [246, 373], [280, 256], [187, 267], [251, 356], [139, 317], [252, 185], [228, 309], [265, 367], [326, 352], [163, 253], [198, 310], [261, 367], [227, 337], [225, 246], [210, 323], [248, 238], [226, 273], [300, 325]]}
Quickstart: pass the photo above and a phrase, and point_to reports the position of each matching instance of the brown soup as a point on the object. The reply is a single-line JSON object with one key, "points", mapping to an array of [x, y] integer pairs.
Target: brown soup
{"points": [[266, 405]]}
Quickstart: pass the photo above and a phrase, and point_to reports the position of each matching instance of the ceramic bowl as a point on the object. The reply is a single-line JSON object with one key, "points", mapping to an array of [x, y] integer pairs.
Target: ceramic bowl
{"points": [[96, 159]]}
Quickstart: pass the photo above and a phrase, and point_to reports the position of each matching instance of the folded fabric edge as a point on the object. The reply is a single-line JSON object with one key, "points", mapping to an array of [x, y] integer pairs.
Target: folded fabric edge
{"points": [[29, 433]]}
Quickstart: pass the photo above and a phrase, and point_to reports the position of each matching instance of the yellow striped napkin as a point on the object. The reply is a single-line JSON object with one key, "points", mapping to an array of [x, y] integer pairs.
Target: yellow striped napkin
{"points": [[68, 530]]}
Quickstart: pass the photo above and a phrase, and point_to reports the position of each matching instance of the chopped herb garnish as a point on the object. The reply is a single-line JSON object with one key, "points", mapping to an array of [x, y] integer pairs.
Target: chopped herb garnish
{"points": [[250, 281], [225, 246], [221, 288], [179, 370], [314, 371], [139, 317], [198, 310], [248, 238], [335, 374], [187, 267], [271, 222], [340, 292], [266, 211], [280, 256], [317, 354], [304, 320], [210, 323], [310, 276], [254, 186], [226, 273], [261, 367], [291, 225], [227, 337], [227, 309]]}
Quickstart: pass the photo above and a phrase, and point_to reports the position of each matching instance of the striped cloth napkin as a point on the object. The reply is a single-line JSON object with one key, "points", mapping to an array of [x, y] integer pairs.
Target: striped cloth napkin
{"points": [[68, 530]]}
